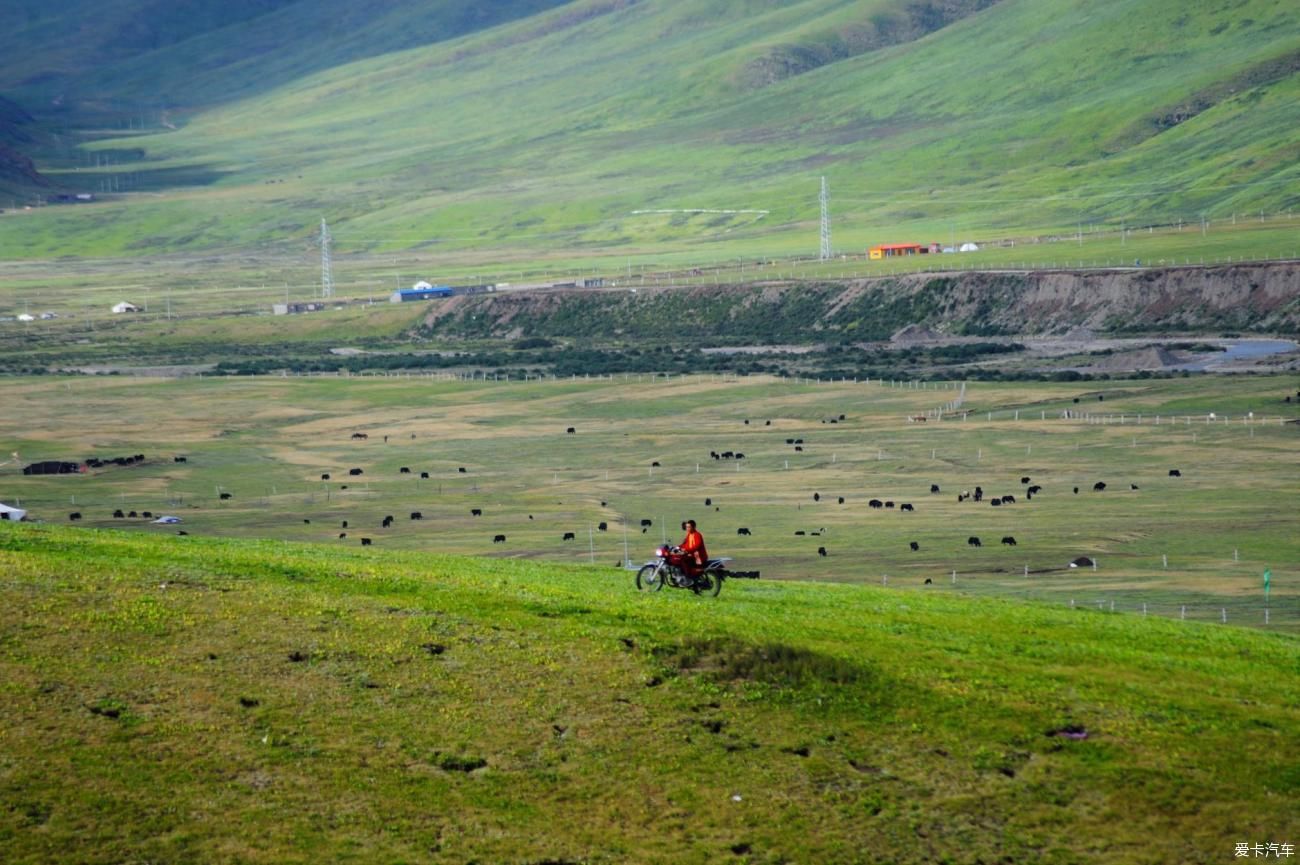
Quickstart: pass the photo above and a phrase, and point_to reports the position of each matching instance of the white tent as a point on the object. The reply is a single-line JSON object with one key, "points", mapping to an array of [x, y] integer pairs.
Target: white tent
{"points": [[126, 306], [13, 514], [969, 247], [168, 520], [23, 316]]}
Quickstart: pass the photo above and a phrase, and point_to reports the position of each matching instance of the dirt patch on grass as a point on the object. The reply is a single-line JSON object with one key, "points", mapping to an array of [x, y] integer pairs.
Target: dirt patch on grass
{"points": [[729, 659]]}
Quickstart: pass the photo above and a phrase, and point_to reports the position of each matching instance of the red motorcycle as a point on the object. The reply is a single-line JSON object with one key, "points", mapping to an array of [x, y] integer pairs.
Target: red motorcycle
{"points": [[669, 569]]}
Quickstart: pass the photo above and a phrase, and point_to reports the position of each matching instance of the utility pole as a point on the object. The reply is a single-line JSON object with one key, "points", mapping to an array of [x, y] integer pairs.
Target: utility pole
{"points": [[825, 254], [326, 276]]}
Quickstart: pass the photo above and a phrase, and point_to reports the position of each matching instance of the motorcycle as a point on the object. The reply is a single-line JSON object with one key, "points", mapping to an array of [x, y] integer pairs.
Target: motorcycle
{"points": [[665, 571]]}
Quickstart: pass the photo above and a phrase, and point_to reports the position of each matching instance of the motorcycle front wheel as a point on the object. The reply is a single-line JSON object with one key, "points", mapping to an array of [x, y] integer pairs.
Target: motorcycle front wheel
{"points": [[649, 579]]}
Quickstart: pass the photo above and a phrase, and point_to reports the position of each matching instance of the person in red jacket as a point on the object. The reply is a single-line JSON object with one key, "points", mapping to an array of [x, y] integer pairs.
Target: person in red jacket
{"points": [[694, 555]]}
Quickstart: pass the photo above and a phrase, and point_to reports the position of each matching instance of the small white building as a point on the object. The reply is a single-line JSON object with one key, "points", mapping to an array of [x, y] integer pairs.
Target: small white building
{"points": [[125, 306]]}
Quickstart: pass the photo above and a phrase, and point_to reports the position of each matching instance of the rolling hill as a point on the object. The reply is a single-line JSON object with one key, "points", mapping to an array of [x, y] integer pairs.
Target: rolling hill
{"points": [[569, 128], [187, 699]]}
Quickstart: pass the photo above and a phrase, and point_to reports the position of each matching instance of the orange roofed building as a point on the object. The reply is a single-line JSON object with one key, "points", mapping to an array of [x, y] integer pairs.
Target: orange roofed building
{"points": [[888, 250]]}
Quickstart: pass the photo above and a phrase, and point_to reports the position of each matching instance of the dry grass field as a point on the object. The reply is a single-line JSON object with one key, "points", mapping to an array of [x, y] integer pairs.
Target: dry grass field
{"points": [[1194, 546]]}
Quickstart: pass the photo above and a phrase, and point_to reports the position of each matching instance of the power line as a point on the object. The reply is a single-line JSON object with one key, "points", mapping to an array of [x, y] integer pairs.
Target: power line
{"points": [[825, 253], [326, 276]]}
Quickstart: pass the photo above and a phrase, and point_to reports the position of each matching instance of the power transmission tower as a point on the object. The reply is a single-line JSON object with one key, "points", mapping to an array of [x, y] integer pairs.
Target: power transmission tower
{"points": [[326, 276], [825, 254]]}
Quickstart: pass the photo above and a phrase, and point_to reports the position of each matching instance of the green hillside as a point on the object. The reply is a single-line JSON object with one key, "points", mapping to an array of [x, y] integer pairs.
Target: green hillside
{"points": [[136, 58], [182, 700], [553, 132]]}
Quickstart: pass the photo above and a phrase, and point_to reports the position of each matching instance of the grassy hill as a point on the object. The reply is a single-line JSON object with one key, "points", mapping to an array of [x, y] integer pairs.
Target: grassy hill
{"points": [[182, 699], [554, 132], [136, 58]]}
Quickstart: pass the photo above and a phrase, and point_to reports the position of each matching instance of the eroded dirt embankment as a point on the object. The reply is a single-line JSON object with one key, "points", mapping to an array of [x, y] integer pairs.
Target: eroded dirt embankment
{"points": [[1248, 298]]}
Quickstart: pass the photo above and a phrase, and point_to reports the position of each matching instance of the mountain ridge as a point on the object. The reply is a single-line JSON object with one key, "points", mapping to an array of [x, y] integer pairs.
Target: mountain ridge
{"points": [[561, 129]]}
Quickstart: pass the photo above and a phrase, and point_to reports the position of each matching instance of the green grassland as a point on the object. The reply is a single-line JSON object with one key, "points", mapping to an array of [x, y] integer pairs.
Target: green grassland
{"points": [[203, 303], [543, 137], [268, 440], [174, 699]]}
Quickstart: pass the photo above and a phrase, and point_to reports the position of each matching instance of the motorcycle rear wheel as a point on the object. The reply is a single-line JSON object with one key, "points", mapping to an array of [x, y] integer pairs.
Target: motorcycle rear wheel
{"points": [[649, 579], [715, 584]]}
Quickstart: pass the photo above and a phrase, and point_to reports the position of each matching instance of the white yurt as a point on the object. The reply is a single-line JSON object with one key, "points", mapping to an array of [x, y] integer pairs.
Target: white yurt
{"points": [[11, 514]]}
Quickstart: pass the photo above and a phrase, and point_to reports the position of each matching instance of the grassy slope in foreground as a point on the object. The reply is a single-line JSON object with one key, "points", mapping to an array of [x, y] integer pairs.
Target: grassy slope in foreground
{"points": [[200, 700]]}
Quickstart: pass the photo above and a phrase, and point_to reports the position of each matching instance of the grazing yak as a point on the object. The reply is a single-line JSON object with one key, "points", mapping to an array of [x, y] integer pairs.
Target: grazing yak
{"points": [[568, 536], [821, 551], [973, 541], [498, 539], [602, 527], [906, 506], [743, 531], [476, 512], [354, 472], [365, 542], [914, 545], [1009, 541]]}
